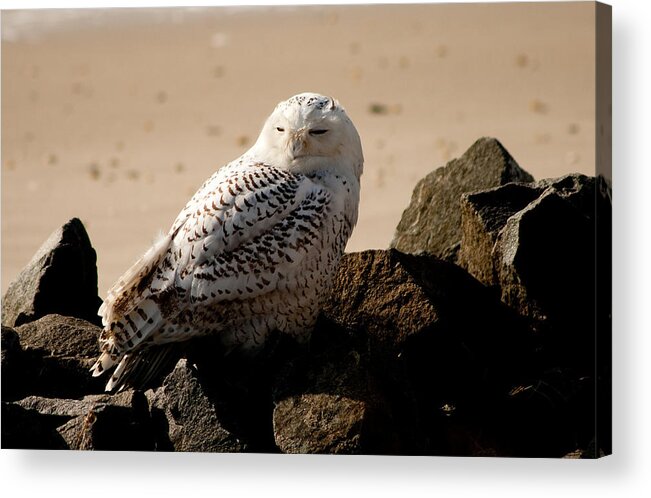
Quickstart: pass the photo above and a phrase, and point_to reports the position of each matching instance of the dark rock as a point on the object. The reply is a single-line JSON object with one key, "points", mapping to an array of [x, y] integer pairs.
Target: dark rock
{"points": [[590, 452], [95, 422], [61, 278], [382, 294], [483, 215], [58, 353], [432, 222], [433, 330], [113, 422], [27, 429], [69, 408], [11, 350], [13, 365], [328, 401], [546, 250], [392, 298], [62, 336], [536, 245], [194, 420]]}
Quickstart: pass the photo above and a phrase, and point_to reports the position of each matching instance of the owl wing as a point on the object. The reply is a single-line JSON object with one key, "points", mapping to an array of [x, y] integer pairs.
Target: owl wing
{"points": [[238, 238]]}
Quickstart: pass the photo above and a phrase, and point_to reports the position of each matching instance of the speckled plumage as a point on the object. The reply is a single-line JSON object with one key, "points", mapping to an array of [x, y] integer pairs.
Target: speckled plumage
{"points": [[252, 252]]}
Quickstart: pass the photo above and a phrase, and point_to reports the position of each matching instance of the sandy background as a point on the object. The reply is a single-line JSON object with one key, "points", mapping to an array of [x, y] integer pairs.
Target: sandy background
{"points": [[117, 116]]}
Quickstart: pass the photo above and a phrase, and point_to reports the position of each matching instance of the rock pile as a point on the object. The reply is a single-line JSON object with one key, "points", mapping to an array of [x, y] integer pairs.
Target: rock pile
{"points": [[474, 335]]}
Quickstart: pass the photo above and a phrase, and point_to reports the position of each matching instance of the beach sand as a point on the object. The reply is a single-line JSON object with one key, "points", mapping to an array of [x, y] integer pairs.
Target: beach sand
{"points": [[118, 116]]}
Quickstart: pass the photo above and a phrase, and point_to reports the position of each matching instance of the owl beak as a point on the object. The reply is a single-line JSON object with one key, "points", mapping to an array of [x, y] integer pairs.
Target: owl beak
{"points": [[299, 146]]}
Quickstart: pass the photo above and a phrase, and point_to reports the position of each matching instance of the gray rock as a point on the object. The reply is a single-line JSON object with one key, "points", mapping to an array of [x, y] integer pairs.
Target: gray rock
{"points": [[64, 336], [61, 278], [432, 331], [30, 430], [11, 350], [483, 215], [330, 402], [195, 422], [13, 366], [536, 245], [112, 422], [546, 250], [432, 222], [58, 352], [74, 407], [391, 297], [97, 422], [17, 366]]}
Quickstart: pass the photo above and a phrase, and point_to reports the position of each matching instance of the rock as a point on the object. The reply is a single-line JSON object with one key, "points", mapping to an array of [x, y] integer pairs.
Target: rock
{"points": [[535, 244], [58, 352], [483, 215], [550, 415], [64, 336], [195, 422], [13, 363], [74, 407], [545, 248], [95, 422], [61, 278], [382, 294], [30, 430], [11, 349], [119, 423], [432, 222], [431, 330], [392, 298], [329, 402]]}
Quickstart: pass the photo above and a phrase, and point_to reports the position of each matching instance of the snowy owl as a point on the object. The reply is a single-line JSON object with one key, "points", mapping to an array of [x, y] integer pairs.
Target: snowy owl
{"points": [[253, 252]]}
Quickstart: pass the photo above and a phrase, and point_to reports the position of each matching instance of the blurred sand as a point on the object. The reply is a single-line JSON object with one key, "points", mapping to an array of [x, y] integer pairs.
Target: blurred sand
{"points": [[117, 116]]}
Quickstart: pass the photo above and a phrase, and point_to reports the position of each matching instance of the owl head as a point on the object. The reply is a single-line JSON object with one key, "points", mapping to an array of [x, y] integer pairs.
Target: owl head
{"points": [[310, 132]]}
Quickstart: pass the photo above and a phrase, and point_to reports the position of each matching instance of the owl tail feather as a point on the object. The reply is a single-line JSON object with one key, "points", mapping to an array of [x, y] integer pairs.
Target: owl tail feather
{"points": [[142, 368]]}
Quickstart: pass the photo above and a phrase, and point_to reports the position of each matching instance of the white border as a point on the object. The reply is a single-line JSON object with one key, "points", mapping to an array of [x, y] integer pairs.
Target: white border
{"points": [[626, 473]]}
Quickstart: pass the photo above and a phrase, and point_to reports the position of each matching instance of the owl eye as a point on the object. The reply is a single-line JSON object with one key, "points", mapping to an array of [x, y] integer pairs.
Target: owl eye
{"points": [[280, 129], [318, 132]]}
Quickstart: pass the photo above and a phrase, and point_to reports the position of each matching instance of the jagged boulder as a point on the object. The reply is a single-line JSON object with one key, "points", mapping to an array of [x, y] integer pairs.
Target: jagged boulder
{"points": [[535, 244], [60, 278], [395, 300], [29, 430], [63, 336], [13, 365], [432, 221], [112, 422], [432, 331], [58, 352], [97, 422], [329, 401], [193, 418], [545, 249]]}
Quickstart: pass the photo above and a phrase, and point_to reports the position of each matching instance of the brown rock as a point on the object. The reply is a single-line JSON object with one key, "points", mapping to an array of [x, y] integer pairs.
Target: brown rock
{"points": [[329, 402], [29, 430], [535, 244], [391, 298], [13, 366], [432, 222], [112, 422], [545, 248], [521, 238], [96, 422], [61, 278], [63, 336], [195, 422], [433, 331], [59, 351]]}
